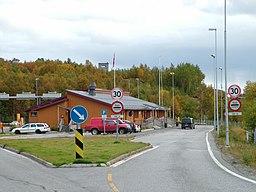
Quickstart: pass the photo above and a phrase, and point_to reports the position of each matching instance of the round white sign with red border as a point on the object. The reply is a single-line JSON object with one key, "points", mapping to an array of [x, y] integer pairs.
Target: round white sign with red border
{"points": [[234, 104], [117, 107], [117, 93], [234, 91]]}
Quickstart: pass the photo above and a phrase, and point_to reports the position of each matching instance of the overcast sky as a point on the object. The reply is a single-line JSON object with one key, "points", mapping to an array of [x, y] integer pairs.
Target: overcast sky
{"points": [[138, 31]]}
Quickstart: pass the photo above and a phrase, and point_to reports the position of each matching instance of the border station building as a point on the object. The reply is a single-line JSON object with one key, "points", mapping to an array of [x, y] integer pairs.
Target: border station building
{"points": [[94, 100]]}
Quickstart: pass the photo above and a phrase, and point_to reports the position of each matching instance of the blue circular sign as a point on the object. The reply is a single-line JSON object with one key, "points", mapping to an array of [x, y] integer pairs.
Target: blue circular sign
{"points": [[78, 114]]}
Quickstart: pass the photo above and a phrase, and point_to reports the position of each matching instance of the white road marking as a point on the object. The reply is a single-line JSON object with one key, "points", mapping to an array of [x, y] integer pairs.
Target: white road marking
{"points": [[132, 157], [222, 166]]}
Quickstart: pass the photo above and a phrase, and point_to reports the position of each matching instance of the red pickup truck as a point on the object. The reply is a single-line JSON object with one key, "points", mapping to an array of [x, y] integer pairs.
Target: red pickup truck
{"points": [[97, 126]]}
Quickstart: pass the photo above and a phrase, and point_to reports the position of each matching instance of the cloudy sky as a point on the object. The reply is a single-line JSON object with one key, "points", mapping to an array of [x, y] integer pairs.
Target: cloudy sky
{"points": [[152, 32]]}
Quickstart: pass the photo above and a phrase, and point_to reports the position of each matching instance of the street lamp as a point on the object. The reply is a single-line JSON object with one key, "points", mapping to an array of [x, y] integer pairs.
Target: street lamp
{"points": [[172, 73], [216, 83], [225, 69], [37, 99], [221, 102], [138, 85], [214, 98]]}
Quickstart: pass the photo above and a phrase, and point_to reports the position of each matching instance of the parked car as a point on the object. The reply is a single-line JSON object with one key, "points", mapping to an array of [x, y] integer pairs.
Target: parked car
{"points": [[187, 123], [135, 128], [97, 126], [32, 128]]}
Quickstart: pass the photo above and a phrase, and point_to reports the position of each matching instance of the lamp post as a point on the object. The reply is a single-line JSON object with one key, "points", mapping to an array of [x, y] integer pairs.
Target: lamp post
{"points": [[221, 102], [216, 83], [214, 98], [225, 69], [159, 82], [172, 73], [138, 85], [37, 99]]}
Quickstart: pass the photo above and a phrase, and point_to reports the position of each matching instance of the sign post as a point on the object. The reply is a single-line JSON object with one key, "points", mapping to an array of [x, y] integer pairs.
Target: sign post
{"points": [[104, 116], [79, 114], [234, 104], [117, 106]]}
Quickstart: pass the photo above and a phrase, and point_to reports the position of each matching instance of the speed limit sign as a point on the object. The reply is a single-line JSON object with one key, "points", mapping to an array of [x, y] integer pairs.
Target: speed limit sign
{"points": [[234, 91], [117, 93]]}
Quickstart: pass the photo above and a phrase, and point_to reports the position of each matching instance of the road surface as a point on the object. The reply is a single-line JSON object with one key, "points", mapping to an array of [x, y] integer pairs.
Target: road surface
{"points": [[180, 162]]}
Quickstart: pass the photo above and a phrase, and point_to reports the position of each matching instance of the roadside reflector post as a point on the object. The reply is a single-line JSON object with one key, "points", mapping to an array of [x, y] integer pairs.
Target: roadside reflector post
{"points": [[116, 130], [79, 141], [255, 136], [247, 135]]}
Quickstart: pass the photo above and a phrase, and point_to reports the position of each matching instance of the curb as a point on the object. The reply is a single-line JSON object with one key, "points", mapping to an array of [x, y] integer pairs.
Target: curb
{"points": [[75, 165], [32, 157]]}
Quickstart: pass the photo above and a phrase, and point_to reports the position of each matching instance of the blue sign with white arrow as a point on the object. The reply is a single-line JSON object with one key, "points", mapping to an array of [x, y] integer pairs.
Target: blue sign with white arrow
{"points": [[78, 114]]}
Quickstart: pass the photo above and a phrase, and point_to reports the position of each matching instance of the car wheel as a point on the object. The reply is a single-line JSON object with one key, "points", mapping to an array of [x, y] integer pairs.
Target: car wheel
{"points": [[121, 131], [17, 132], [95, 131], [38, 131]]}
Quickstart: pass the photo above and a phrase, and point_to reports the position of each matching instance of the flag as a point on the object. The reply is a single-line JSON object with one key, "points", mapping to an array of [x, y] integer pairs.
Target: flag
{"points": [[114, 58]]}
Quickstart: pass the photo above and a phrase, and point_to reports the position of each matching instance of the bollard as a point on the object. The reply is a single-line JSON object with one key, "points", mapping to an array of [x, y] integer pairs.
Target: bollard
{"points": [[247, 136], [255, 136]]}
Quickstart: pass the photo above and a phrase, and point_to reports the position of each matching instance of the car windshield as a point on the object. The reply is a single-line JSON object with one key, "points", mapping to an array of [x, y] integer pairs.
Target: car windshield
{"points": [[187, 120]]}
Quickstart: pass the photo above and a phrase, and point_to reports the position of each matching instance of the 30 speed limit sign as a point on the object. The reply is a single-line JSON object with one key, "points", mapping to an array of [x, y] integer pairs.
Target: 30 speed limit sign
{"points": [[234, 91], [117, 93]]}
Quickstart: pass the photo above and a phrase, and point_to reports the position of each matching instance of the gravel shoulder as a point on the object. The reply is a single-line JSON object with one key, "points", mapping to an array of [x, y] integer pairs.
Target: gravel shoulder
{"points": [[228, 160]]}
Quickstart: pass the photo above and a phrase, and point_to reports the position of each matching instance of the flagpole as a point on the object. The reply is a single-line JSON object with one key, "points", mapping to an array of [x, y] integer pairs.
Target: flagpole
{"points": [[114, 78], [114, 58]]}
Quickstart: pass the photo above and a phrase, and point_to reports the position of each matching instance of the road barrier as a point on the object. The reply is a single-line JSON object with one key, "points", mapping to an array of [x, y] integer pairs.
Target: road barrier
{"points": [[79, 144]]}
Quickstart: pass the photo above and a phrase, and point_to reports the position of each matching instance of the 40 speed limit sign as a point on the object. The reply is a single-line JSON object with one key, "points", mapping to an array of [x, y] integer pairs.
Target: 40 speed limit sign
{"points": [[234, 91]]}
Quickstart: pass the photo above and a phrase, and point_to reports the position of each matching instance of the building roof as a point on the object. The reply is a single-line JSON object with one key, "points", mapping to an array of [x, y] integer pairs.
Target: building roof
{"points": [[47, 104], [130, 103]]}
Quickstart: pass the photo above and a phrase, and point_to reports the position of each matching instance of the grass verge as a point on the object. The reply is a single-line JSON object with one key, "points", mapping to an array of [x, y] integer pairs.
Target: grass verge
{"points": [[239, 148], [59, 151]]}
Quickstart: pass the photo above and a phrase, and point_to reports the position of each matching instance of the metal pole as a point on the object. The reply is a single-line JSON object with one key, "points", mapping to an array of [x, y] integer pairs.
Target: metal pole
{"points": [[217, 97], [129, 85], [221, 103], [172, 95], [116, 130], [225, 68], [214, 97], [159, 102], [37, 101], [216, 107], [138, 86]]}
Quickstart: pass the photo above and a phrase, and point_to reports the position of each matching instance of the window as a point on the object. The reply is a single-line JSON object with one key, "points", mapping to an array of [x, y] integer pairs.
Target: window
{"points": [[33, 125], [34, 114]]}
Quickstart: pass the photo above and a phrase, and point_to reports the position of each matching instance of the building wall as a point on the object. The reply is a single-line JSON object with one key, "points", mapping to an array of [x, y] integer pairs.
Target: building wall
{"points": [[94, 109], [50, 115]]}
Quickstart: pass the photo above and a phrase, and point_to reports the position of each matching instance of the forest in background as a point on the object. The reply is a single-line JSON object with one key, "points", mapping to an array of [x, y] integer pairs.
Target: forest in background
{"points": [[192, 96]]}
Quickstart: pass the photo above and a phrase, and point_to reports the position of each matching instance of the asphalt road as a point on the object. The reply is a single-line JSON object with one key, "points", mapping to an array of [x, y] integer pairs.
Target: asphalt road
{"points": [[179, 162]]}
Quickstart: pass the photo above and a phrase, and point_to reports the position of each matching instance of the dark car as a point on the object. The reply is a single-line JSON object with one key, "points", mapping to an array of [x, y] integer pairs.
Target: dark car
{"points": [[135, 128], [187, 123]]}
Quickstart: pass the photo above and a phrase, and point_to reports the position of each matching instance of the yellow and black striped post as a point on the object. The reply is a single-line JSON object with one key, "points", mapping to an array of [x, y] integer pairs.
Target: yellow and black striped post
{"points": [[79, 144]]}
